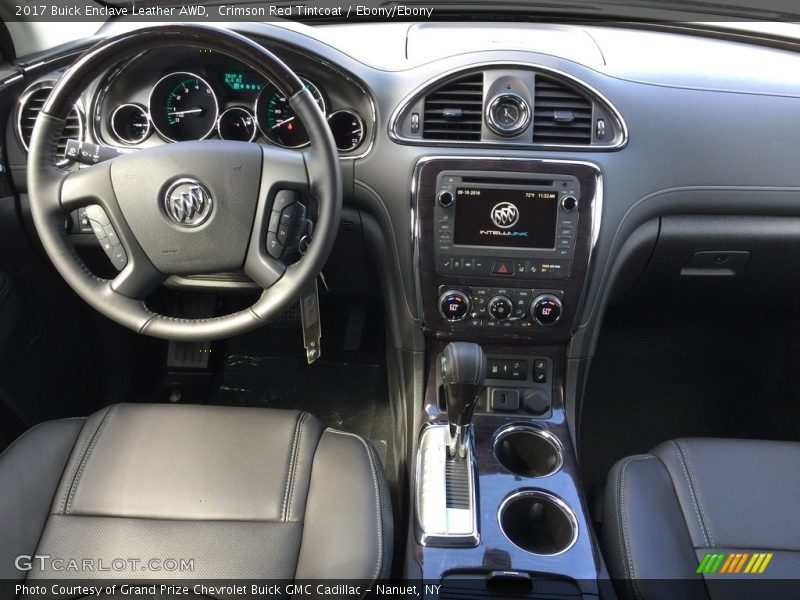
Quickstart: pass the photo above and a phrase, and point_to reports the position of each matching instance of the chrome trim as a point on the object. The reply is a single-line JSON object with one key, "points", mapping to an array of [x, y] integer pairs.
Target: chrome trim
{"points": [[199, 209], [358, 118], [115, 72], [114, 129], [620, 139], [561, 504], [466, 298], [504, 432], [523, 107], [107, 80], [307, 82], [499, 297], [150, 104], [29, 91], [596, 204], [251, 115], [553, 297], [434, 525]]}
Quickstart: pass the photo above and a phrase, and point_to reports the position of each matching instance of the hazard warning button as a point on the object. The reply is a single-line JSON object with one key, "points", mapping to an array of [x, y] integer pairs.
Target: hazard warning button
{"points": [[503, 268]]}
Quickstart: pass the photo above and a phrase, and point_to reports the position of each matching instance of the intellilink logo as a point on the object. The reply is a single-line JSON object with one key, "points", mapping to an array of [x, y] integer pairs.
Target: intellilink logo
{"points": [[504, 215]]}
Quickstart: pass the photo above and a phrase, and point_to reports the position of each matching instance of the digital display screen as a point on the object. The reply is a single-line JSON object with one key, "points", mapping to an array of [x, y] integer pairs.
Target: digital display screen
{"points": [[505, 217], [247, 81]]}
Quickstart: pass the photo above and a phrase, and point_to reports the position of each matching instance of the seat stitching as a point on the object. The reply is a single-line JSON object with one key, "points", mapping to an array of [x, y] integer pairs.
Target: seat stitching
{"points": [[692, 495], [86, 454], [63, 504], [376, 488], [293, 484], [25, 433], [696, 490], [623, 530], [291, 466]]}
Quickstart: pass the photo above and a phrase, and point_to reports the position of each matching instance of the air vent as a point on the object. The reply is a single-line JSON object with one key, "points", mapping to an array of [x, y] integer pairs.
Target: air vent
{"points": [[454, 111], [561, 114], [28, 111]]}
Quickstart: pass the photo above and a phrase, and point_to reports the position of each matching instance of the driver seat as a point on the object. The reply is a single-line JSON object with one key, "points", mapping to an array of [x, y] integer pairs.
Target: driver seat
{"points": [[241, 492]]}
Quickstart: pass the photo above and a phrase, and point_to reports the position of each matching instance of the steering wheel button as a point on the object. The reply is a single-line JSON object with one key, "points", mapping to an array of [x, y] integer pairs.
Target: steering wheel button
{"points": [[283, 234], [111, 234], [283, 199], [97, 229], [274, 247], [118, 257], [274, 219], [287, 214], [96, 213]]}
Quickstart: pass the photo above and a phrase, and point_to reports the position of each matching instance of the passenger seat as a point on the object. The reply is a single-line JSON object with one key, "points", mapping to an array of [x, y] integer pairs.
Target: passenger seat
{"points": [[688, 498]]}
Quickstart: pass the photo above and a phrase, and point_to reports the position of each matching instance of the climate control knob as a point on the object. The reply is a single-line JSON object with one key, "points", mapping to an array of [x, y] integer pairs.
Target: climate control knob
{"points": [[454, 305], [500, 307], [546, 309]]}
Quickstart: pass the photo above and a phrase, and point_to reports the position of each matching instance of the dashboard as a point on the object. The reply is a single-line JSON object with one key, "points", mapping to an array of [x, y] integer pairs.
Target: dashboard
{"points": [[645, 129], [185, 94]]}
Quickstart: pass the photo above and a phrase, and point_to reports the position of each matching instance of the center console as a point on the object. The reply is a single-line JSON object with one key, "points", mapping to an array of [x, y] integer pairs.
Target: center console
{"points": [[502, 251], [502, 246]]}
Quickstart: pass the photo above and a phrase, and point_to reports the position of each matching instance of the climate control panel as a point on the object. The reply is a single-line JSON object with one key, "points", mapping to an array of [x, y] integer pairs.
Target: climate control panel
{"points": [[509, 308]]}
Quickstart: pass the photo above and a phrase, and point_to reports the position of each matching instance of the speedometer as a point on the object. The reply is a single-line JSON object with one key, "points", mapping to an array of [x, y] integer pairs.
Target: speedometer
{"points": [[183, 107], [278, 121]]}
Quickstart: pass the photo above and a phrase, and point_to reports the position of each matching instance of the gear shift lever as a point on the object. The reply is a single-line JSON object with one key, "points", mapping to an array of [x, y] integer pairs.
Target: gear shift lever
{"points": [[463, 368]]}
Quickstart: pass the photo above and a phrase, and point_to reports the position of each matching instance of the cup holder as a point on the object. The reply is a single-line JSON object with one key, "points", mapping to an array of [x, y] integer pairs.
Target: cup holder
{"points": [[528, 451], [538, 522]]}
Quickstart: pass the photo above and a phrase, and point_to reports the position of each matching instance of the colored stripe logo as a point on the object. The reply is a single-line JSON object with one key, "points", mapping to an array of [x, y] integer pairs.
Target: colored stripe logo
{"points": [[734, 563]]}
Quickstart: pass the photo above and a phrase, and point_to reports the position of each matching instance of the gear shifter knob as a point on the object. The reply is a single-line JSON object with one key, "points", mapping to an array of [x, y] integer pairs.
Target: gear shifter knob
{"points": [[463, 368]]}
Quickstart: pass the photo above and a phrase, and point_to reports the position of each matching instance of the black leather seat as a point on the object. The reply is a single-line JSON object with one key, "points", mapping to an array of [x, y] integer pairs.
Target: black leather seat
{"points": [[666, 510], [244, 492]]}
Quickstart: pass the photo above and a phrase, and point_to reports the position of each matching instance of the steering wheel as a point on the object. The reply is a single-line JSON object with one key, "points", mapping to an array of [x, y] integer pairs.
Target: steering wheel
{"points": [[186, 208]]}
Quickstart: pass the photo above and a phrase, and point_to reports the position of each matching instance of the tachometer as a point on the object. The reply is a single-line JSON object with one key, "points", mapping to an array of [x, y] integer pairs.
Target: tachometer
{"points": [[277, 120], [183, 107], [130, 123]]}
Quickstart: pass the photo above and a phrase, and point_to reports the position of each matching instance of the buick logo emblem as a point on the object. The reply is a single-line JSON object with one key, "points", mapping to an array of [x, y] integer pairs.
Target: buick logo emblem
{"points": [[504, 215], [188, 203]]}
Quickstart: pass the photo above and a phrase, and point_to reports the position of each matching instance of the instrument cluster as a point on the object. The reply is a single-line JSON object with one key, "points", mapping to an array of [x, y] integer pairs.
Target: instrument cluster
{"points": [[208, 95]]}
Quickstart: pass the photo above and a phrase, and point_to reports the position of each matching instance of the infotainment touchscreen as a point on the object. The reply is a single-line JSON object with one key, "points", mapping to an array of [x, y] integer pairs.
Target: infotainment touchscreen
{"points": [[508, 218]]}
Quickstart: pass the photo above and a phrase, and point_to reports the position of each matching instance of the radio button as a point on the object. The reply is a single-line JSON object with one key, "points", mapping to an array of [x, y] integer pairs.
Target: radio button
{"points": [[564, 242], [569, 203], [502, 268]]}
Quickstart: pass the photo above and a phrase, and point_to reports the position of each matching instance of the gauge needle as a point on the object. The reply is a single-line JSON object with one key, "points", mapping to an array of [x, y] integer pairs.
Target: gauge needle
{"points": [[185, 112], [279, 123]]}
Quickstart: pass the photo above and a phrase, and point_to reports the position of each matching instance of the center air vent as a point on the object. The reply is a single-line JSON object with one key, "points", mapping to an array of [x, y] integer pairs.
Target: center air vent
{"points": [[561, 114], [30, 105], [454, 111]]}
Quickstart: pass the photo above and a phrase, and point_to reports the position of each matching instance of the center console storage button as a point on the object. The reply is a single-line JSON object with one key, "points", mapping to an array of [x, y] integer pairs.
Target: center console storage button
{"points": [[505, 399]]}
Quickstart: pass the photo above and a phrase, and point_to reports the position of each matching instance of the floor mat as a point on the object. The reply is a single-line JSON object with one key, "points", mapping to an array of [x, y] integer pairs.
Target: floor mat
{"points": [[342, 396], [660, 374], [346, 388]]}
